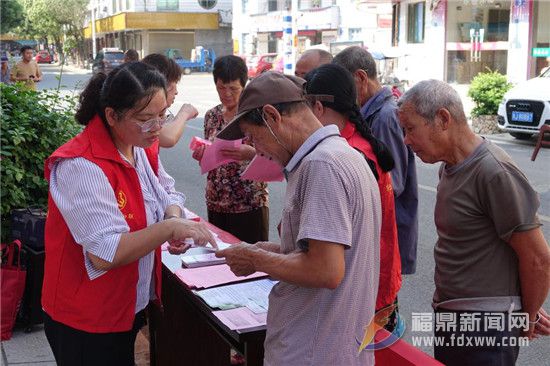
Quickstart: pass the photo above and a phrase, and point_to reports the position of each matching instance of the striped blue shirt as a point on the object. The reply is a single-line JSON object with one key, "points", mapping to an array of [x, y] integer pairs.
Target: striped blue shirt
{"points": [[88, 204]]}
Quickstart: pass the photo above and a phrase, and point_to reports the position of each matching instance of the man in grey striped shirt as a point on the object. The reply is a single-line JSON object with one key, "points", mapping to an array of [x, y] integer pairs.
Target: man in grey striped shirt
{"points": [[328, 259]]}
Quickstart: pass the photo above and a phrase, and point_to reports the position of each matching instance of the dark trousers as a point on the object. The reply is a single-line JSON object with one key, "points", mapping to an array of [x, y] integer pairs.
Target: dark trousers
{"points": [[393, 317], [456, 351], [250, 227], [73, 347]]}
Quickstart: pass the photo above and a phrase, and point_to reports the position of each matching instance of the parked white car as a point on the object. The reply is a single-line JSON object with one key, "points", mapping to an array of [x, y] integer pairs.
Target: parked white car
{"points": [[526, 107]]}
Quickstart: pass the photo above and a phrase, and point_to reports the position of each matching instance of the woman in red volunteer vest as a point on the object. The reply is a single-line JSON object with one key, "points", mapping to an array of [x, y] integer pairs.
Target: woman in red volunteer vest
{"points": [[110, 208], [331, 90]]}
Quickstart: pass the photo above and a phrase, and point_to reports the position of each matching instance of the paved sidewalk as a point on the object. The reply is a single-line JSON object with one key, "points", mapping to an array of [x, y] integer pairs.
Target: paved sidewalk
{"points": [[26, 349]]}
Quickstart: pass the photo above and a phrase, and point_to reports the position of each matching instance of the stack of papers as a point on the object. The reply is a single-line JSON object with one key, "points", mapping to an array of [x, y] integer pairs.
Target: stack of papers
{"points": [[201, 260], [262, 169], [253, 295], [199, 256], [205, 277], [244, 305], [241, 318], [213, 156]]}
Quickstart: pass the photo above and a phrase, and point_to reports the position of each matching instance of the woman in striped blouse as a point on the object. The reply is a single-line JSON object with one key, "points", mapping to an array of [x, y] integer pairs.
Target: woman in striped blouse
{"points": [[111, 206]]}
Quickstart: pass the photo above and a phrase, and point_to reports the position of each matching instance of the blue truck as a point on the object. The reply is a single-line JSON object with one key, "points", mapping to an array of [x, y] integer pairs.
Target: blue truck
{"points": [[203, 60]]}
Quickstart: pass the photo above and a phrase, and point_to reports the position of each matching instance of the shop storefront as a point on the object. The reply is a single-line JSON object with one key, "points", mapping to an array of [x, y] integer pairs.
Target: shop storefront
{"points": [[476, 38], [540, 30]]}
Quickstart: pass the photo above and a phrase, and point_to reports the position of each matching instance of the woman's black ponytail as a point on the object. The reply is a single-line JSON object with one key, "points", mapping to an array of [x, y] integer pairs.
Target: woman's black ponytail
{"points": [[89, 101], [331, 79], [383, 155]]}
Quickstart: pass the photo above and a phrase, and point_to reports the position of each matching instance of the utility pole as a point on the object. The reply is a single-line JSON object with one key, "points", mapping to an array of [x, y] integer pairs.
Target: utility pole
{"points": [[94, 47], [290, 32]]}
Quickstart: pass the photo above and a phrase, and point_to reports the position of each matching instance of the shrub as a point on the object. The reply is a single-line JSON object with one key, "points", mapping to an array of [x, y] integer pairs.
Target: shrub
{"points": [[33, 125], [487, 90]]}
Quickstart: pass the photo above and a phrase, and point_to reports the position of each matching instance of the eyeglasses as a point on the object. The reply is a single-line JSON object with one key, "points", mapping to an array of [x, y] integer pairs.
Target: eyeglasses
{"points": [[149, 125]]}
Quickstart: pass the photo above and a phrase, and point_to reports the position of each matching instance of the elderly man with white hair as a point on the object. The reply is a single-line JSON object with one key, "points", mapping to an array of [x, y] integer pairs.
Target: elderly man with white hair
{"points": [[491, 258]]}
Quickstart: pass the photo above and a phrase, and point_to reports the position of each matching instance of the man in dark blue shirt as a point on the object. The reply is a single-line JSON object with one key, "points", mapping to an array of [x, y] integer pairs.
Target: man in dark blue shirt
{"points": [[379, 109]]}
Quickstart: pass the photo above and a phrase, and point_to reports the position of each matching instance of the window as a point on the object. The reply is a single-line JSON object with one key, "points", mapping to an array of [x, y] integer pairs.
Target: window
{"points": [[395, 25], [244, 6], [415, 22], [498, 23], [127, 4], [272, 5], [114, 6], [272, 43], [208, 4], [167, 4], [354, 34]]}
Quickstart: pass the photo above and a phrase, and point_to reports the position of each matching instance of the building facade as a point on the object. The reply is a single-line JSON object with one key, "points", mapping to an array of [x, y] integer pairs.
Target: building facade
{"points": [[152, 26], [454, 40], [450, 40], [258, 24]]}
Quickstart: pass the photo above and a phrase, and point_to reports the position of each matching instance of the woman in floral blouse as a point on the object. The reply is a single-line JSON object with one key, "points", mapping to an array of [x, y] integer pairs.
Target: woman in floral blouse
{"points": [[234, 205]]}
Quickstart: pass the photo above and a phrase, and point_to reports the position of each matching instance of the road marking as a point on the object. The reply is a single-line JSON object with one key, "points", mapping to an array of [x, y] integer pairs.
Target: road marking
{"points": [[434, 190]]}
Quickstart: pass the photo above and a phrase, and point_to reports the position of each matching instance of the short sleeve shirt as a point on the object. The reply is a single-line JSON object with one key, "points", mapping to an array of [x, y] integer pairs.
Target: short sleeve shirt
{"points": [[226, 192], [24, 70], [480, 203], [332, 196]]}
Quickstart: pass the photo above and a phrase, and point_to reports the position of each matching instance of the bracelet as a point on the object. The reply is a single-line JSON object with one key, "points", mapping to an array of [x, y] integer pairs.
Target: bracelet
{"points": [[537, 319], [172, 217]]}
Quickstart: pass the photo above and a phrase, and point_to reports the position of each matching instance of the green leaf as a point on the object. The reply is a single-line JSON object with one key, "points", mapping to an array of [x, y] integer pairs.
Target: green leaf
{"points": [[30, 130]]}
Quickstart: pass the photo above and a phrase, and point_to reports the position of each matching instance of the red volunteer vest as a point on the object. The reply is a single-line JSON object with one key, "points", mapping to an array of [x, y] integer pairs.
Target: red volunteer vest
{"points": [[390, 260], [106, 304]]}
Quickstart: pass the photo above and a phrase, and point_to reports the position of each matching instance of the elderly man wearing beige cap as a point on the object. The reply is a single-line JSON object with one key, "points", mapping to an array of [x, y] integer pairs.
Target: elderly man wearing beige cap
{"points": [[327, 262]]}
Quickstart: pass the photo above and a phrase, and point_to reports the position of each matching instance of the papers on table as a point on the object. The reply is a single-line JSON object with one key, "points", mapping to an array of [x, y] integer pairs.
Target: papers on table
{"points": [[189, 214], [253, 295], [262, 169], [213, 156], [205, 277], [172, 262], [199, 256], [200, 260], [241, 318]]}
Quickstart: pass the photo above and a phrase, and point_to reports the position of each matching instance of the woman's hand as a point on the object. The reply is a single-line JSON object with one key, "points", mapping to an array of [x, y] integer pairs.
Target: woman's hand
{"points": [[186, 229], [197, 154], [240, 153], [187, 111]]}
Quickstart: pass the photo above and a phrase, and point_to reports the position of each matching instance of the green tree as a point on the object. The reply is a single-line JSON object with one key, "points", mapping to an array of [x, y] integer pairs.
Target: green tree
{"points": [[11, 15], [56, 18], [32, 125]]}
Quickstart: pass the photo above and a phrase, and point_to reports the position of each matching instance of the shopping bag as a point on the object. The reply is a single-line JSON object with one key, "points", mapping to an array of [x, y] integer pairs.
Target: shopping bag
{"points": [[12, 282]]}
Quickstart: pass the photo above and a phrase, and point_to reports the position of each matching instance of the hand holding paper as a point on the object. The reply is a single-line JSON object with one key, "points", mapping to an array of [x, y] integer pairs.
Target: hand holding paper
{"points": [[183, 229], [197, 142], [239, 258], [262, 169], [239, 153], [213, 156]]}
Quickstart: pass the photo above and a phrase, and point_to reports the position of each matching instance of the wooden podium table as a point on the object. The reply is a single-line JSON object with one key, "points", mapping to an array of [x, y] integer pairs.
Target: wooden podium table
{"points": [[185, 332]]}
